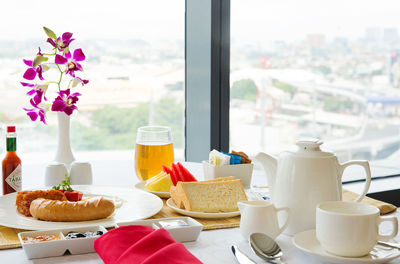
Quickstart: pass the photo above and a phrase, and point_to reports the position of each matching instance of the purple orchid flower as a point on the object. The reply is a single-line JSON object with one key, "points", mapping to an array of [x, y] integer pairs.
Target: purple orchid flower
{"points": [[37, 91], [27, 84], [61, 43], [37, 99], [78, 80], [36, 112], [65, 102], [72, 63], [30, 73]]}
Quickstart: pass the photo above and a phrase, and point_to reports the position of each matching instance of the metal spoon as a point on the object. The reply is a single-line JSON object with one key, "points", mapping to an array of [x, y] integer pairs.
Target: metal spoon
{"points": [[266, 248], [389, 244]]}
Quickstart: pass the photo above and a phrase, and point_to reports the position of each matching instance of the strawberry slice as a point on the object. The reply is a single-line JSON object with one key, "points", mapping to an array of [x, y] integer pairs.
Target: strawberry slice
{"points": [[171, 173], [176, 172], [187, 175]]}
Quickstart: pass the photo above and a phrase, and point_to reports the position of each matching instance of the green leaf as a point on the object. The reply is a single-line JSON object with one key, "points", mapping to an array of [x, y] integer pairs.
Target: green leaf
{"points": [[49, 33], [45, 67], [39, 59]]}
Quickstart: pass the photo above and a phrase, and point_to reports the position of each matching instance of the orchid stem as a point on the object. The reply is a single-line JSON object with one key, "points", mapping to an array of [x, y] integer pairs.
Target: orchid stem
{"points": [[61, 74]]}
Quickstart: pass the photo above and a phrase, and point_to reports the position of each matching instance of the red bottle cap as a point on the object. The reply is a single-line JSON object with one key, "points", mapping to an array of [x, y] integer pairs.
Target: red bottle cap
{"points": [[10, 129]]}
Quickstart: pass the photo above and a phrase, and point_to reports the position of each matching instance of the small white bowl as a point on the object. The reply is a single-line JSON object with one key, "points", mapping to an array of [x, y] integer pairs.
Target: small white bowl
{"points": [[57, 248], [240, 171], [181, 234]]}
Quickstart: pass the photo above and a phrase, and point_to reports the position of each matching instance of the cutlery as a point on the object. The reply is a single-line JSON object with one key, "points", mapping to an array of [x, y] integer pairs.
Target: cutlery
{"points": [[266, 248], [241, 257], [389, 244]]}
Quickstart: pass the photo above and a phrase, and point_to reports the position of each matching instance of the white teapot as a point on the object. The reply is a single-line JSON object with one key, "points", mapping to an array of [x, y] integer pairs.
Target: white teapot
{"points": [[303, 178]]}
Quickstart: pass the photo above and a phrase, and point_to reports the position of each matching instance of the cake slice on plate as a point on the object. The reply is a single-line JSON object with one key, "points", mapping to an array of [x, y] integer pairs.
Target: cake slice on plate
{"points": [[214, 196]]}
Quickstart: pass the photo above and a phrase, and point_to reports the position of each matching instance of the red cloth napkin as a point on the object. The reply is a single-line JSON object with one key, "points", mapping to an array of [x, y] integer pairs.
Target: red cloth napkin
{"points": [[141, 245]]}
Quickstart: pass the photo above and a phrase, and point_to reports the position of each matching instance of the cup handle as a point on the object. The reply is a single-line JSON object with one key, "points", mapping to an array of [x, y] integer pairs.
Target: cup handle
{"points": [[365, 165], [395, 225], [287, 210]]}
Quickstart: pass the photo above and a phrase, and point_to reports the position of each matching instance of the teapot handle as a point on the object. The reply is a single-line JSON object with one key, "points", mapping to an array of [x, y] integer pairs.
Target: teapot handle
{"points": [[365, 165]]}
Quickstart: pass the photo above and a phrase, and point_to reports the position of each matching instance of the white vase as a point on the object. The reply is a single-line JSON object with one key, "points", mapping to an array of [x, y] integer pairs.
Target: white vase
{"points": [[64, 153]]}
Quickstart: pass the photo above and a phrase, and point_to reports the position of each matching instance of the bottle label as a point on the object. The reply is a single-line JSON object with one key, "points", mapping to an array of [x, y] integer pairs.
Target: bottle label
{"points": [[14, 179]]}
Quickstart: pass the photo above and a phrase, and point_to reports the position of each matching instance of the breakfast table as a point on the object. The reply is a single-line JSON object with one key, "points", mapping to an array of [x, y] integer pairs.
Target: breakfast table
{"points": [[212, 246]]}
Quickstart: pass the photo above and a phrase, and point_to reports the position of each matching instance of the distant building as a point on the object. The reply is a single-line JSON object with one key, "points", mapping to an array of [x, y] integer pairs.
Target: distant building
{"points": [[390, 36], [373, 34], [316, 41]]}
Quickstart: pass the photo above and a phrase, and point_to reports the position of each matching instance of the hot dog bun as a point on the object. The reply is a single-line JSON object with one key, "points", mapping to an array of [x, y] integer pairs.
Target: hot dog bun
{"points": [[65, 211]]}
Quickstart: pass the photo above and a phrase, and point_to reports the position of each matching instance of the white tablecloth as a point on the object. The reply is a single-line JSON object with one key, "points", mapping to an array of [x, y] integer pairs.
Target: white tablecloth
{"points": [[212, 247]]}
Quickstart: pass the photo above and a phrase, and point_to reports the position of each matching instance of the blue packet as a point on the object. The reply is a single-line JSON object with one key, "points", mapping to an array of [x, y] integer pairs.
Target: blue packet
{"points": [[234, 158]]}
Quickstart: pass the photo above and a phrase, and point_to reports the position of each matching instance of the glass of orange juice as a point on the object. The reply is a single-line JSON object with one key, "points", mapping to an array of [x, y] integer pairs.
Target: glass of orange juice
{"points": [[153, 149]]}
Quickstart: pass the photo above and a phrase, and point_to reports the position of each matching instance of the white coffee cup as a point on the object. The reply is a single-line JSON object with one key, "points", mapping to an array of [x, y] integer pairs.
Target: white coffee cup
{"points": [[350, 229], [81, 173], [55, 173]]}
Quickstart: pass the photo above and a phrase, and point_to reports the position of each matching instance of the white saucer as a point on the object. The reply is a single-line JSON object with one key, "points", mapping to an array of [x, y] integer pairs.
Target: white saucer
{"points": [[171, 204], [308, 243], [140, 186]]}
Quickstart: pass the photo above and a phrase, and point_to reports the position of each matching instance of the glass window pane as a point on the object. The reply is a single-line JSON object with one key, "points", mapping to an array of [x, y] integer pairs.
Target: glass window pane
{"points": [[135, 64], [327, 69]]}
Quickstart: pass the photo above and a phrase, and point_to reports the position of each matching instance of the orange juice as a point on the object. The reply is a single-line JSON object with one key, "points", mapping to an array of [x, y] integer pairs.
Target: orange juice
{"points": [[150, 157]]}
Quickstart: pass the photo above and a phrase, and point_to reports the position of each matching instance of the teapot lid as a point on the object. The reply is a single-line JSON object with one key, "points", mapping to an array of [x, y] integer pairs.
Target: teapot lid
{"points": [[311, 147]]}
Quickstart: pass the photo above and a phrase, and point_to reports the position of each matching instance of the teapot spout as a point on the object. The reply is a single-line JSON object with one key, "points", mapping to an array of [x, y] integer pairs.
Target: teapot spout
{"points": [[269, 164]]}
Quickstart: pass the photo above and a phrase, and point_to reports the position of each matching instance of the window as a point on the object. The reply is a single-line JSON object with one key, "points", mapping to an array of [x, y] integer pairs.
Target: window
{"points": [[327, 69], [135, 64]]}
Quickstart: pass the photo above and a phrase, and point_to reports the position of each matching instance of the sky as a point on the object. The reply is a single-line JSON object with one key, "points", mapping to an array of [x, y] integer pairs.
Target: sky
{"points": [[154, 19], [22, 19], [293, 19]]}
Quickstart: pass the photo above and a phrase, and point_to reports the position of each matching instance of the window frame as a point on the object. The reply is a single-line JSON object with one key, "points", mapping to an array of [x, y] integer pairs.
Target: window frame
{"points": [[207, 69]]}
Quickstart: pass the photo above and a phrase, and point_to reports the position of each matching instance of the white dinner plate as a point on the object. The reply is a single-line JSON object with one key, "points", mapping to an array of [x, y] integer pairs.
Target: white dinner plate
{"points": [[171, 204], [307, 241], [140, 186], [132, 204]]}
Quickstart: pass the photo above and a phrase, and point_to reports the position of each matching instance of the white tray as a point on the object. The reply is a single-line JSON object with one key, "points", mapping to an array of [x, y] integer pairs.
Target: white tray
{"points": [[180, 234], [57, 248]]}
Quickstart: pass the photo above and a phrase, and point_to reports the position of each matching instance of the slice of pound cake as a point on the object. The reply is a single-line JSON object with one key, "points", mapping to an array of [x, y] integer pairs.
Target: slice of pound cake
{"points": [[219, 195]]}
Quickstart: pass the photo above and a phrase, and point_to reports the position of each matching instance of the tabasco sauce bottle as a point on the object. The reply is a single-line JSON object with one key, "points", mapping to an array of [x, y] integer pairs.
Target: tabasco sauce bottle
{"points": [[11, 164]]}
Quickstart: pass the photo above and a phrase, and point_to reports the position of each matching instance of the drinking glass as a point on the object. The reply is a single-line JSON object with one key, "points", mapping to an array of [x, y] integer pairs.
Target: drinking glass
{"points": [[153, 149]]}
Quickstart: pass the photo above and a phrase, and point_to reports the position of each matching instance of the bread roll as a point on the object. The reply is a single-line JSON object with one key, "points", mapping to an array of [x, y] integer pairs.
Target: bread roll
{"points": [[66, 211]]}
